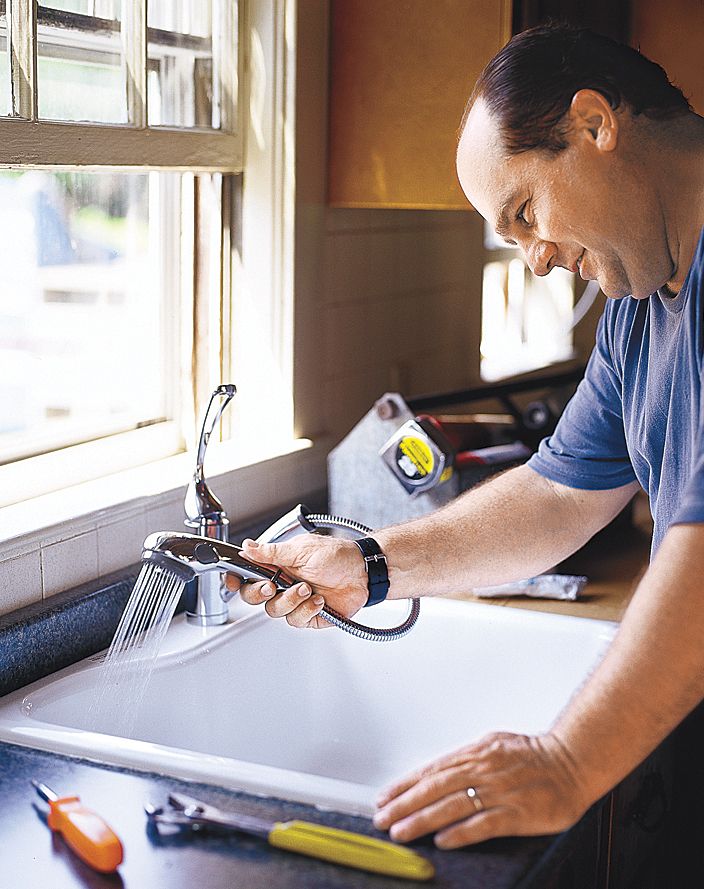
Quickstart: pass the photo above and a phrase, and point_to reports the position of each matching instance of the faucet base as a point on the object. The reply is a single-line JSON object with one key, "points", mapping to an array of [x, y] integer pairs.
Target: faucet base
{"points": [[208, 620], [204, 600]]}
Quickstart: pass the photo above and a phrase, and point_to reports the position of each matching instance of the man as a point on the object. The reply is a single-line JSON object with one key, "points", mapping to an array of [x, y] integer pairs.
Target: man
{"points": [[579, 151]]}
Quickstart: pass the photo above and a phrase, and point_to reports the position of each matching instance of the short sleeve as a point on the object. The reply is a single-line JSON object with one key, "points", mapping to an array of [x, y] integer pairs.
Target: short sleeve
{"points": [[691, 509], [588, 447]]}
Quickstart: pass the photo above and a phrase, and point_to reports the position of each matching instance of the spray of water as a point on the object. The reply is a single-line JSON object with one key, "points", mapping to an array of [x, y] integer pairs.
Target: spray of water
{"points": [[130, 660]]}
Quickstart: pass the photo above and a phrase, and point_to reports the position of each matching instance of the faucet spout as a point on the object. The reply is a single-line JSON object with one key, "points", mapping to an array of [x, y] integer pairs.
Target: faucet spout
{"points": [[204, 511]]}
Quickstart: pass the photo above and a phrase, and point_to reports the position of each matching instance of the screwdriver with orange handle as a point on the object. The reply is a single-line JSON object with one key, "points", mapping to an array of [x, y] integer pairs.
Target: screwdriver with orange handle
{"points": [[84, 831]]}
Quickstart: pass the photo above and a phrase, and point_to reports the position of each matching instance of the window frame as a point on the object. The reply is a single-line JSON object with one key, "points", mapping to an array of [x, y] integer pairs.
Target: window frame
{"points": [[261, 261], [30, 142]]}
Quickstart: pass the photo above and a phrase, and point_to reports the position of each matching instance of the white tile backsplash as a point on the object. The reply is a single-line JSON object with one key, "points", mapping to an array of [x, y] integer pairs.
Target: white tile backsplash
{"points": [[120, 543], [20, 581], [69, 563], [399, 287], [166, 514]]}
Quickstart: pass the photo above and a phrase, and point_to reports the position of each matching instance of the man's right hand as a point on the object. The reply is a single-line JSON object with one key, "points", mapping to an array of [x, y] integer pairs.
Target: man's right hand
{"points": [[331, 572]]}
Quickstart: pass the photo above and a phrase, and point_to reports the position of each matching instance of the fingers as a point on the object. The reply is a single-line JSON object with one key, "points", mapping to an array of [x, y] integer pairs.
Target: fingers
{"points": [[306, 614], [485, 753], [410, 819], [456, 758], [297, 603], [436, 799], [475, 829], [252, 592], [288, 601]]}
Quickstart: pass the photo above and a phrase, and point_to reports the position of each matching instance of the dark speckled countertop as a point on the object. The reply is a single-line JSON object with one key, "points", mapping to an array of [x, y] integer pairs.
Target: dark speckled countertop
{"points": [[40, 639], [33, 857]]}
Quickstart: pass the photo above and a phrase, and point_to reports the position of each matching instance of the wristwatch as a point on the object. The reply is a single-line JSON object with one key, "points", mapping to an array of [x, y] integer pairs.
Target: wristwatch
{"points": [[377, 570]]}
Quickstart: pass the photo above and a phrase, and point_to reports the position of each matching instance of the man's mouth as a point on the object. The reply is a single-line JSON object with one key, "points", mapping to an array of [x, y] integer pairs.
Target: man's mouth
{"points": [[575, 265], [582, 274]]}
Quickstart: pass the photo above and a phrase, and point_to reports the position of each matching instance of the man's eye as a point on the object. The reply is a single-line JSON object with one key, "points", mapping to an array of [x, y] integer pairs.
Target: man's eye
{"points": [[520, 216]]}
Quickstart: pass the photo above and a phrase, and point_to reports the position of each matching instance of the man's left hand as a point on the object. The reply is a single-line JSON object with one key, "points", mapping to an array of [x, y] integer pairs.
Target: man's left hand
{"points": [[503, 785]]}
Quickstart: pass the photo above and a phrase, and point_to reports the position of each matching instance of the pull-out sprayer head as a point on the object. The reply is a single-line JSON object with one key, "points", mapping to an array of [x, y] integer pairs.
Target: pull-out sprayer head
{"points": [[188, 555]]}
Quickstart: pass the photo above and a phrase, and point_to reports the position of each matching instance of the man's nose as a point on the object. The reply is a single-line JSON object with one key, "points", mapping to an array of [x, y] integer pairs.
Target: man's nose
{"points": [[541, 257]]}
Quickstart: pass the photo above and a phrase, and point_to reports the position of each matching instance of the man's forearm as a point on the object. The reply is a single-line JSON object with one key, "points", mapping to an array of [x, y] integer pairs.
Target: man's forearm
{"points": [[652, 674], [512, 527]]}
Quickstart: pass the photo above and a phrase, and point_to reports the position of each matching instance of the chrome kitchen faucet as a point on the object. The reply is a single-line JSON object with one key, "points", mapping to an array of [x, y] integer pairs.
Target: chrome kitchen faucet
{"points": [[201, 560]]}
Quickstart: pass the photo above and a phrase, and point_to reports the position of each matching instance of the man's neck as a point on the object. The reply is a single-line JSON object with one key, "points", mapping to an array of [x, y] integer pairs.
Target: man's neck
{"points": [[684, 194]]}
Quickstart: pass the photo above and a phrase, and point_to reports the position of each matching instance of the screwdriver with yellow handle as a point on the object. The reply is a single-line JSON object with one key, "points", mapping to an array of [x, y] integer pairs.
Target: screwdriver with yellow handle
{"points": [[83, 830], [305, 837]]}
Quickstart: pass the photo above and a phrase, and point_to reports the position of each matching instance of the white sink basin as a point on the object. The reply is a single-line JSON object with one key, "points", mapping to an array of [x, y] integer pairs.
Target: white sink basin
{"points": [[319, 716]]}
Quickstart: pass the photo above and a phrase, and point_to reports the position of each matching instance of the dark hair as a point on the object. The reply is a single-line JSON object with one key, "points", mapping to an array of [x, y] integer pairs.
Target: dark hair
{"points": [[528, 86]]}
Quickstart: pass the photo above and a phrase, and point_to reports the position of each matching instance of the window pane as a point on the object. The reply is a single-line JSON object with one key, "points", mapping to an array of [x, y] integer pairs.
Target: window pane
{"points": [[4, 71], [526, 320], [80, 63], [88, 307], [180, 73]]}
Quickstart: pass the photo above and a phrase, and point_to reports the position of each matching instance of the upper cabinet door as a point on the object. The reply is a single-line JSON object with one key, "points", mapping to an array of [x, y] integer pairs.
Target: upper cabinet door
{"points": [[401, 74], [672, 34]]}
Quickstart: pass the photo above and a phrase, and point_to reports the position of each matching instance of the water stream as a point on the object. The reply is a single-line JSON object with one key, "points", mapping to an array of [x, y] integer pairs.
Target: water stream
{"points": [[130, 660]]}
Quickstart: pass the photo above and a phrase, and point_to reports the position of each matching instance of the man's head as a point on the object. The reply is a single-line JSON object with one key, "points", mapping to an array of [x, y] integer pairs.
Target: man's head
{"points": [[552, 153]]}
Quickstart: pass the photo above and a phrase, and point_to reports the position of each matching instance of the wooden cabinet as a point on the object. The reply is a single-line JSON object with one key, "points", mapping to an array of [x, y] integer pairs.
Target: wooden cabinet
{"points": [[672, 34], [401, 73]]}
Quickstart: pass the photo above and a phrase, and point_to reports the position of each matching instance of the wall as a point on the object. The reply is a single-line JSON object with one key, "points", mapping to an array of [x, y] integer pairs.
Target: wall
{"points": [[385, 299], [400, 304]]}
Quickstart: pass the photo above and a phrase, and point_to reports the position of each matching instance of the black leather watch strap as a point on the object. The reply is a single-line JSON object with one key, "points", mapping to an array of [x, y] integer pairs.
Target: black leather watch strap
{"points": [[377, 570]]}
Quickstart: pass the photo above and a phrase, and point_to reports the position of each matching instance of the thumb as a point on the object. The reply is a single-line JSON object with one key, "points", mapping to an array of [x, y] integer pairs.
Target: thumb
{"points": [[265, 553]]}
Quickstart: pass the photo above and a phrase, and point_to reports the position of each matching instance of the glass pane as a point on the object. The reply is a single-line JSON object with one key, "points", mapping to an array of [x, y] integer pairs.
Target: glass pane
{"points": [[180, 71], [4, 70], [88, 306], [80, 62], [526, 320]]}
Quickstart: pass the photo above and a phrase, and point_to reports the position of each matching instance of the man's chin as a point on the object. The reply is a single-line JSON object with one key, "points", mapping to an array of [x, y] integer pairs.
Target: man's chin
{"points": [[612, 292], [618, 289]]}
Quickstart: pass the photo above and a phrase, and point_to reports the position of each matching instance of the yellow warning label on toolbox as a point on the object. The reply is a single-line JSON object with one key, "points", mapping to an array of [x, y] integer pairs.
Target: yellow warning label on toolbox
{"points": [[415, 458]]}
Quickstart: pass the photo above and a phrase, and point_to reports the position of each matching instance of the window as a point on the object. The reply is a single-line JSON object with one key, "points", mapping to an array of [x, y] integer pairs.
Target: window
{"points": [[527, 320], [120, 155]]}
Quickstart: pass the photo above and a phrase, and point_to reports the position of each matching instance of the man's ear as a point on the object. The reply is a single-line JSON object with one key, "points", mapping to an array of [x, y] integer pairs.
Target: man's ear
{"points": [[593, 117]]}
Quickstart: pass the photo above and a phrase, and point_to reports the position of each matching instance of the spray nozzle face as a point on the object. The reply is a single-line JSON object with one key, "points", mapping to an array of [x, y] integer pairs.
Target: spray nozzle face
{"points": [[175, 566]]}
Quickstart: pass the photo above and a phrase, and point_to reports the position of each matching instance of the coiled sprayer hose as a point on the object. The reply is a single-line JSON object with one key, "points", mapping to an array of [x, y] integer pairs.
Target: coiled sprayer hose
{"points": [[372, 634], [301, 519]]}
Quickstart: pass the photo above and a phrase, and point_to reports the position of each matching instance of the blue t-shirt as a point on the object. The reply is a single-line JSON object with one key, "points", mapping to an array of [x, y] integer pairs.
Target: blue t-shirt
{"points": [[638, 412]]}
